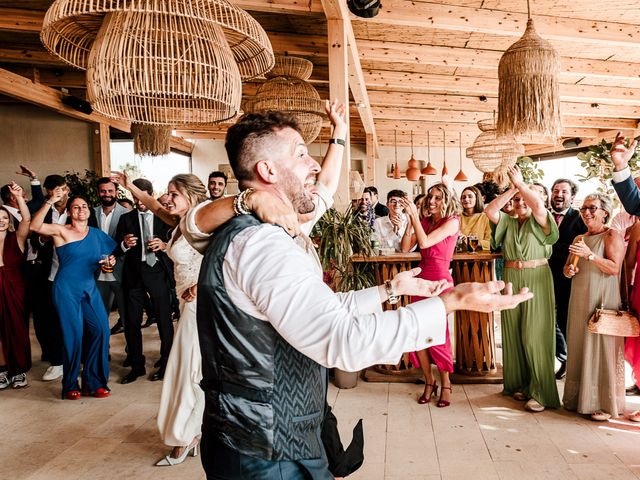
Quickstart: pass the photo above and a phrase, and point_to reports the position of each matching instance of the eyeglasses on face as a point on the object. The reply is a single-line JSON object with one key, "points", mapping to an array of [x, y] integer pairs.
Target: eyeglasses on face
{"points": [[394, 202], [592, 209]]}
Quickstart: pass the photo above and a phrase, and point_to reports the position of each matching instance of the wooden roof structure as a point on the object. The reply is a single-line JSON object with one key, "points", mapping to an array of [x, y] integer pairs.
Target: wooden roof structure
{"points": [[418, 66]]}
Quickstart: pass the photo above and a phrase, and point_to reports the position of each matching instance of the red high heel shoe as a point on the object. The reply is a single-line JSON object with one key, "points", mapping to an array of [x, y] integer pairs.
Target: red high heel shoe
{"points": [[72, 395], [101, 393], [424, 398], [443, 403]]}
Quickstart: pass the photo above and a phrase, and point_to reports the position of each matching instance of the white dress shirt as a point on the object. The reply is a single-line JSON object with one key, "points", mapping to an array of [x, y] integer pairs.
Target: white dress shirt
{"points": [[621, 176], [105, 223], [60, 219], [267, 275], [387, 236]]}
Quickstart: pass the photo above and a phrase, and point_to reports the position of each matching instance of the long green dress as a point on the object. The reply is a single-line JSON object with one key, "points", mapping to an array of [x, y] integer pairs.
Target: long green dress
{"points": [[528, 331]]}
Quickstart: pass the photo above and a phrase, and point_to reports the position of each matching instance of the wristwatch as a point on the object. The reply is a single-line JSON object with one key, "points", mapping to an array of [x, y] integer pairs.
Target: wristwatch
{"points": [[591, 256], [393, 298]]}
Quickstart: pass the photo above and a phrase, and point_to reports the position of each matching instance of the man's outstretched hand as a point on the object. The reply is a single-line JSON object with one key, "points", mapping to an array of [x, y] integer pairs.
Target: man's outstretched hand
{"points": [[484, 297], [408, 283]]}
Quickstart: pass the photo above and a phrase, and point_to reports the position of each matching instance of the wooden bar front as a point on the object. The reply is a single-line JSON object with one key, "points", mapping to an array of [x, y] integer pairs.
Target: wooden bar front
{"points": [[475, 355]]}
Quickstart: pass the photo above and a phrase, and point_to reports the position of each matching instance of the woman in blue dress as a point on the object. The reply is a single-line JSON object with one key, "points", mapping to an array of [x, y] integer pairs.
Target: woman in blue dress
{"points": [[81, 249]]}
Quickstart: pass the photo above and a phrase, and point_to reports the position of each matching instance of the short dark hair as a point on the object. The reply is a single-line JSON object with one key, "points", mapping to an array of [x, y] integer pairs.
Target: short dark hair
{"points": [[371, 190], [572, 184], [104, 180], [242, 139], [396, 193], [144, 185], [218, 174], [53, 181], [5, 194], [122, 201]]}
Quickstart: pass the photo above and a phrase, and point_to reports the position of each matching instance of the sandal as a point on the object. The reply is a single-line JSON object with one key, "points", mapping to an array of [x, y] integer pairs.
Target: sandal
{"points": [[427, 398], [520, 397], [444, 403], [635, 416], [600, 416]]}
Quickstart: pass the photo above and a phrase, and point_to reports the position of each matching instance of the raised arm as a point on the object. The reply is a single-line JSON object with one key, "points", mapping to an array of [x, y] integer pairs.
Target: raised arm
{"points": [[329, 176], [23, 228], [121, 178], [448, 228], [492, 211], [532, 199], [37, 222]]}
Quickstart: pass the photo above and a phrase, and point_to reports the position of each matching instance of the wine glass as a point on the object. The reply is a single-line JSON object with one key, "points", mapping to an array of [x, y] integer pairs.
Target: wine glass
{"points": [[473, 242]]}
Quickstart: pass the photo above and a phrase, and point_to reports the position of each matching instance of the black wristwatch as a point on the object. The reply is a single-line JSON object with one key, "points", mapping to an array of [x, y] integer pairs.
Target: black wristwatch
{"points": [[339, 141]]}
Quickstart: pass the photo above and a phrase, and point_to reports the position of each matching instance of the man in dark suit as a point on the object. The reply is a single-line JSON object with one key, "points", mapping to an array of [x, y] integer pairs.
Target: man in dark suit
{"points": [[570, 225], [370, 196], [141, 238], [107, 216], [624, 185], [37, 197]]}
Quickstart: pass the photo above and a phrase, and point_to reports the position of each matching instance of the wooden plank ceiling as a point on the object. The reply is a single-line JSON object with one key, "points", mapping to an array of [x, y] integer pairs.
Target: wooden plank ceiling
{"points": [[428, 65]]}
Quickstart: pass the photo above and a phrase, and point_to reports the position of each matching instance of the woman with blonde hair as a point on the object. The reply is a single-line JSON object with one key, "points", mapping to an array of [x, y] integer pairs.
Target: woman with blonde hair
{"points": [[436, 234]]}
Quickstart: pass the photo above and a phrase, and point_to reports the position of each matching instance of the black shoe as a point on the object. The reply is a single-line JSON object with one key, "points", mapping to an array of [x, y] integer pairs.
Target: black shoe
{"points": [[634, 390], [149, 322], [117, 328], [132, 376], [562, 371], [158, 375], [127, 362], [158, 364]]}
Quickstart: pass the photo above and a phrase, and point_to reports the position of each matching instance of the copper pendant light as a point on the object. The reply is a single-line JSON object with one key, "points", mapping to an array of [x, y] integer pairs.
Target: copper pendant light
{"points": [[396, 170], [460, 177], [445, 170], [413, 172], [429, 169]]}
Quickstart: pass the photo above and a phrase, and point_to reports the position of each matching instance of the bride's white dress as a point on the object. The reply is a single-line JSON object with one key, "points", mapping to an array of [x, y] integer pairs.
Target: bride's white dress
{"points": [[182, 400]]}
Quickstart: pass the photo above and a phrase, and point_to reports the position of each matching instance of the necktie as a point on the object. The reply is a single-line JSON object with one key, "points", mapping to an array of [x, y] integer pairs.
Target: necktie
{"points": [[559, 218], [150, 257]]}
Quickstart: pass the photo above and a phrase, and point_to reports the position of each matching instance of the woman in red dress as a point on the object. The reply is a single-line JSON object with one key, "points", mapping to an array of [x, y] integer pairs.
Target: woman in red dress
{"points": [[436, 235], [15, 347]]}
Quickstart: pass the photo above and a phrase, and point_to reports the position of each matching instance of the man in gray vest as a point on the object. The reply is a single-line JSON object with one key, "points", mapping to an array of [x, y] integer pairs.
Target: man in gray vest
{"points": [[268, 325]]}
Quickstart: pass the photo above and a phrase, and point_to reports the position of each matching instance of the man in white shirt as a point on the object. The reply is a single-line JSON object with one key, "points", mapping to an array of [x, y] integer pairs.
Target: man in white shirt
{"points": [[266, 321], [390, 228]]}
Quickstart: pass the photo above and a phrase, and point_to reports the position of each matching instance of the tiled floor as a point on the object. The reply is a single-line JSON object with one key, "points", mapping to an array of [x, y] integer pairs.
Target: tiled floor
{"points": [[483, 435]]}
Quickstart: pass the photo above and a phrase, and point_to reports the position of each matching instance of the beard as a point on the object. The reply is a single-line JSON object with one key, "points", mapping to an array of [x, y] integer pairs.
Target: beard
{"points": [[107, 203], [301, 199]]}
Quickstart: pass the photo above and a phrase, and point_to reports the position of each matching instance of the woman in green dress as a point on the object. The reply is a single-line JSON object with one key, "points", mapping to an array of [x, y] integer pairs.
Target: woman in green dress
{"points": [[528, 331]]}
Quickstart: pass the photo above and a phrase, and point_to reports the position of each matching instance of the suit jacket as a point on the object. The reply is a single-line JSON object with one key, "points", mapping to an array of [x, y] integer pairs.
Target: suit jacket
{"points": [[629, 195], [570, 227], [37, 199], [129, 223], [380, 210], [118, 211]]}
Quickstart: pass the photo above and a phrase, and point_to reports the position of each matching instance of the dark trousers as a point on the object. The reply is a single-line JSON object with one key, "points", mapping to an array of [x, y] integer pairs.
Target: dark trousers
{"points": [[112, 292], [223, 463], [562, 290], [46, 322], [153, 280]]}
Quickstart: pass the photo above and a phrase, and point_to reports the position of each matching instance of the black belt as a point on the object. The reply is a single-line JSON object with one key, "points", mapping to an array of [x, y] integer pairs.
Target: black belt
{"points": [[237, 390]]}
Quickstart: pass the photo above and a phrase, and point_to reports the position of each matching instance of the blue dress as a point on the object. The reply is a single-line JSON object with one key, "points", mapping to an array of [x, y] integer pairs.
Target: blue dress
{"points": [[82, 311]]}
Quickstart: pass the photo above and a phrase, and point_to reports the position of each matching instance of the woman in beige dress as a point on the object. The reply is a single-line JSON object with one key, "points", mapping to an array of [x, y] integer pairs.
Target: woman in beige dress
{"points": [[595, 363]]}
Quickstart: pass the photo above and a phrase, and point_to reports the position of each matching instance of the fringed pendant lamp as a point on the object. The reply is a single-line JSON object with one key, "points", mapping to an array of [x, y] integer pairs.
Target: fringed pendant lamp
{"points": [[445, 170], [413, 172], [287, 90], [151, 69], [528, 96], [489, 150], [396, 170], [71, 26], [429, 169], [151, 140], [460, 177]]}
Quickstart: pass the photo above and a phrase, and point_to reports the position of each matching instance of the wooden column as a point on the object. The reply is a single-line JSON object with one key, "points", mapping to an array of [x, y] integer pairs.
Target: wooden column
{"points": [[370, 165], [101, 149], [339, 89]]}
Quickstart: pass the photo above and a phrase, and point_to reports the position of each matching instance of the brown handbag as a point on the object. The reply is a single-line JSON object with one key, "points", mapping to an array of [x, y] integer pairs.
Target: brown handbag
{"points": [[619, 323]]}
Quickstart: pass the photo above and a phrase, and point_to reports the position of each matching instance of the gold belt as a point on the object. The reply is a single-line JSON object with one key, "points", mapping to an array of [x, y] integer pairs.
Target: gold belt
{"points": [[520, 264]]}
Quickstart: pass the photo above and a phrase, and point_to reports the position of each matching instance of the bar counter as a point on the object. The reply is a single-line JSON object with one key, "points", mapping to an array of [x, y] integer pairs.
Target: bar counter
{"points": [[475, 349]]}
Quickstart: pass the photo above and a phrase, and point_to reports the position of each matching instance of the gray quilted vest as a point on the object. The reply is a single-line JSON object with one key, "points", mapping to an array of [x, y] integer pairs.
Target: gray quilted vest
{"points": [[263, 397]]}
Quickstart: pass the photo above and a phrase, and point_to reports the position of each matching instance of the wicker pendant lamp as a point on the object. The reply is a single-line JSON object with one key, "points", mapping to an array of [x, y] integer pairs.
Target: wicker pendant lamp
{"points": [[152, 69], [528, 96], [445, 170], [460, 177], [489, 150], [396, 170], [429, 169], [71, 26], [153, 140], [287, 90], [413, 172]]}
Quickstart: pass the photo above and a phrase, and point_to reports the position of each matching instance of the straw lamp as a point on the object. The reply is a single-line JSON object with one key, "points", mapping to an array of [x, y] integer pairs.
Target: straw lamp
{"points": [[70, 28], [489, 150], [460, 177], [151, 69], [429, 169], [445, 170], [413, 172], [528, 96], [396, 170], [287, 90], [151, 140]]}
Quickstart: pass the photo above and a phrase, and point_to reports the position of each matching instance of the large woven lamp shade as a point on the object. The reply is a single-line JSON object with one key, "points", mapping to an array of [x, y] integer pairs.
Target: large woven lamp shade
{"points": [[70, 27], [152, 69], [287, 90], [489, 150], [528, 93]]}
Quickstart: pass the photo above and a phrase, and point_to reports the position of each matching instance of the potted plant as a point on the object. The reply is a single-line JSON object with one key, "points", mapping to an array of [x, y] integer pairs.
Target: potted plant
{"points": [[597, 163], [339, 236]]}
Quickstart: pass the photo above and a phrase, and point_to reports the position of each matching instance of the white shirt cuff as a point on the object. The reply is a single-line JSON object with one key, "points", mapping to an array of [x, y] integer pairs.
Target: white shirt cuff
{"points": [[123, 246], [432, 324], [35, 182], [621, 176]]}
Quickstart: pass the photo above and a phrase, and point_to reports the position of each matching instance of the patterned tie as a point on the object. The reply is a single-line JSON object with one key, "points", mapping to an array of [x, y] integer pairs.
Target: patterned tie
{"points": [[559, 218], [150, 257]]}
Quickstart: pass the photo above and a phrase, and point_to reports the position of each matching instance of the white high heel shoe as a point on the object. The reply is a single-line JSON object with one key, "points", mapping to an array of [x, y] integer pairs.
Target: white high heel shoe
{"points": [[169, 461]]}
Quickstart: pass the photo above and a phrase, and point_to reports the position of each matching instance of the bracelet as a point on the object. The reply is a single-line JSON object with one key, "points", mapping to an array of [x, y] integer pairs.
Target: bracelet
{"points": [[51, 204], [338, 141], [393, 298], [240, 206]]}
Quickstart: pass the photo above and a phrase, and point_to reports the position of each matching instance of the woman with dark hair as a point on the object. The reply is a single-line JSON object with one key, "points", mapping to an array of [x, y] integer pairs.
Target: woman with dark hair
{"points": [[473, 221], [81, 250], [543, 192], [436, 234], [15, 346]]}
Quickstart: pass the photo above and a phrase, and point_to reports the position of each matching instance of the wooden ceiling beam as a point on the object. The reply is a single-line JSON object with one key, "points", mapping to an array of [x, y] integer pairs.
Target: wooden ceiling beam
{"points": [[30, 56], [20, 20], [445, 16], [291, 7]]}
